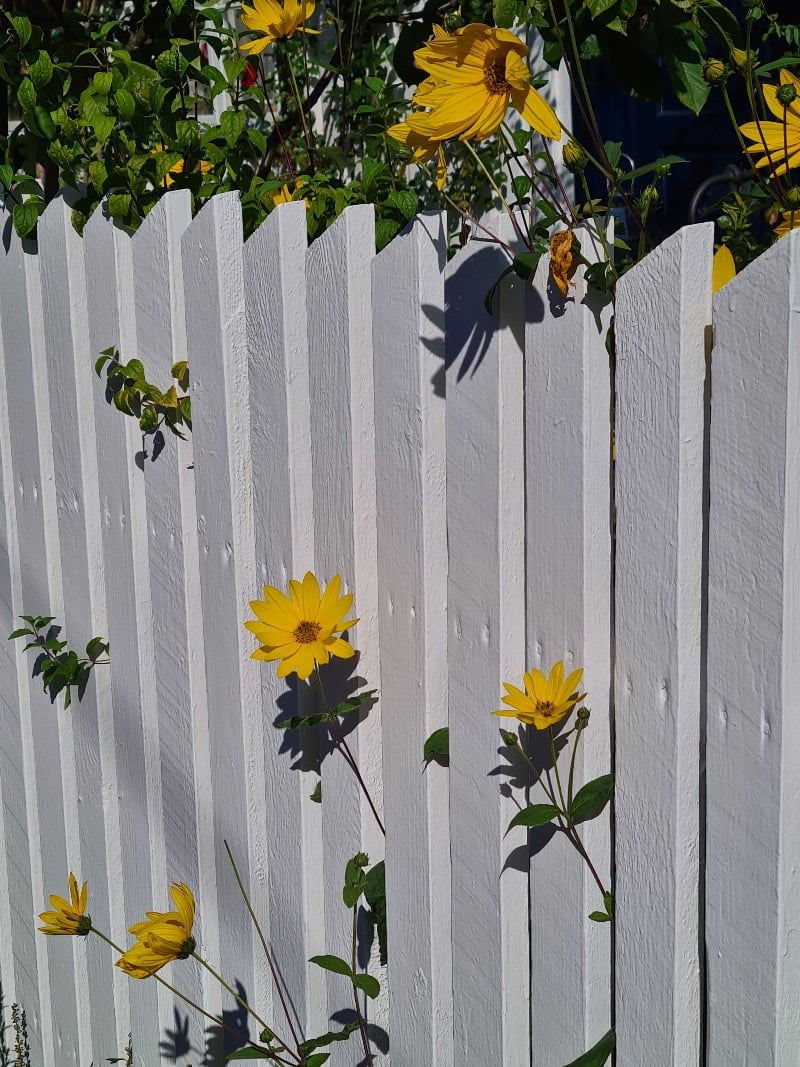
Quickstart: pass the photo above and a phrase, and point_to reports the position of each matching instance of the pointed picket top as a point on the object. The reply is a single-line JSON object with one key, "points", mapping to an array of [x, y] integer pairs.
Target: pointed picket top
{"points": [[662, 329], [753, 744]]}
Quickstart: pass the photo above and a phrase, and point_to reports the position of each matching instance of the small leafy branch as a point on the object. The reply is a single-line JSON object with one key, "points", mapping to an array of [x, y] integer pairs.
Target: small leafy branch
{"points": [[59, 669], [129, 389]]}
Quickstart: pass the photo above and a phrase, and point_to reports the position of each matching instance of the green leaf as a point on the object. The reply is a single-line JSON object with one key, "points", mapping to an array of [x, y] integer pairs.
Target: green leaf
{"points": [[125, 104], [23, 28], [103, 125], [44, 122], [232, 124], [25, 216], [102, 82], [592, 798], [165, 161], [248, 1054], [6, 176], [598, 1054], [26, 94], [41, 70], [613, 150], [354, 879], [367, 984], [504, 13], [385, 229], [719, 22], [522, 185], [177, 6], [317, 1059], [375, 896], [148, 420], [406, 202], [353, 703], [598, 7], [534, 815], [600, 917], [437, 747], [316, 796], [525, 264], [333, 963], [327, 1039], [119, 204], [18, 633]]}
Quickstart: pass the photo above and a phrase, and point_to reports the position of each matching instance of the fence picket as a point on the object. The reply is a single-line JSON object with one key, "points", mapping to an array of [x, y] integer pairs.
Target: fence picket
{"points": [[408, 341], [31, 465], [664, 308], [343, 452], [275, 302], [126, 747], [171, 635], [753, 742], [213, 280], [486, 646], [568, 578], [20, 983]]}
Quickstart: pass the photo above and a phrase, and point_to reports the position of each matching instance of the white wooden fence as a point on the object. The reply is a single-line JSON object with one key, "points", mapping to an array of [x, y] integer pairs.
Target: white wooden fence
{"points": [[361, 414]]}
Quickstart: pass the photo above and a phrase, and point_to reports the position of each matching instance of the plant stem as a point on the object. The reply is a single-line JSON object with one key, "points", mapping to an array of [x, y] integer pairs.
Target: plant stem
{"points": [[359, 1016], [176, 992], [345, 749], [299, 101], [537, 774], [496, 188], [578, 733], [242, 1003], [267, 953]]}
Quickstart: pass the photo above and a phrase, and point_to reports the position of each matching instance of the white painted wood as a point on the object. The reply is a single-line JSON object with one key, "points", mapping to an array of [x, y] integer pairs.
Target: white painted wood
{"points": [[213, 277], [17, 948], [343, 451], [663, 316], [127, 761], [280, 427], [568, 582], [486, 646], [55, 1031], [753, 746], [408, 343], [163, 484]]}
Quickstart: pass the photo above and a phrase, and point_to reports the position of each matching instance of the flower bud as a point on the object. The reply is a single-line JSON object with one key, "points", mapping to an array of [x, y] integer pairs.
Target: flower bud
{"points": [[714, 71], [787, 94], [452, 21], [648, 198], [583, 715], [793, 197], [509, 738], [575, 158], [740, 59]]}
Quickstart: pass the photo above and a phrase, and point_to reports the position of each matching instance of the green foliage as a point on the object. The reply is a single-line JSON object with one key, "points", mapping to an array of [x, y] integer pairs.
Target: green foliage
{"points": [[589, 801], [598, 1054], [58, 666], [437, 747], [132, 394], [375, 896], [534, 815], [347, 707]]}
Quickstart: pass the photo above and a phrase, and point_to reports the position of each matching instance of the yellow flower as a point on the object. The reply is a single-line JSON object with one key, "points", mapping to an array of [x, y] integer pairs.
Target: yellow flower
{"points": [[301, 629], [722, 269], [178, 169], [68, 917], [275, 21], [474, 73], [546, 700], [284, 195], [162, 937], [791, 221], [778, 142], [424, 150], [561, 260]]}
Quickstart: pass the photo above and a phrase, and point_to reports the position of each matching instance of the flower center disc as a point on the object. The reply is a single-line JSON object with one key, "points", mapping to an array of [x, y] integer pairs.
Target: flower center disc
{"points": [[307, 632], [547, 708], [494, 77]]}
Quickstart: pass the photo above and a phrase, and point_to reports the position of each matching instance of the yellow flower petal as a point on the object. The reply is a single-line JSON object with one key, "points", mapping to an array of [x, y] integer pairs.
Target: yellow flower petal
{"points": [[722, 269]]}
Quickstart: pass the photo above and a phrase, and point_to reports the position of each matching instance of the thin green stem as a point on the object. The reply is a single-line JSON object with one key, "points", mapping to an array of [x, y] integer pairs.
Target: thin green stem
{"points": [[497, 189], [554, 757], [264, 945], [538, 775], [474, 222], [213, 1018], [299, 101], [344, 748], [362, 1028], [242, 1003], [578, 733]]}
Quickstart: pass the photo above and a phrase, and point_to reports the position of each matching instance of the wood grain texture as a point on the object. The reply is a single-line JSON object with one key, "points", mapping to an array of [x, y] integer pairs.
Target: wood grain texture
{"points": [[408, 342], [280, 428], [486, 646], [172, 653], [18, 899], [568, 583], [663, 316], [38, 574], [343, 458], [753, 684], [213, 281], [129, 764]]}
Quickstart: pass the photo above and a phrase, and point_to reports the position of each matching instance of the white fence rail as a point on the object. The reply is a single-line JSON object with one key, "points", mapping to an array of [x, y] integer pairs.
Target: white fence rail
{"points": [[362, 414]]}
